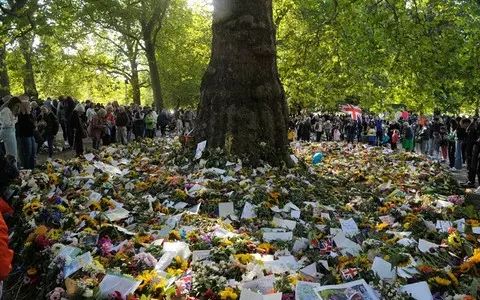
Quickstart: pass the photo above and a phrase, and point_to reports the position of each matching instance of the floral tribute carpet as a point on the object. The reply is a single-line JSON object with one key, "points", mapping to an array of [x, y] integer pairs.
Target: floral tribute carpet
{"points": [[155, 221]]}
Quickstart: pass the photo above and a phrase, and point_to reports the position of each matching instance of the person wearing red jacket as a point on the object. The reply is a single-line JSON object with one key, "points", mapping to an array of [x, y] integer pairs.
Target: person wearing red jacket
{"points": [[6, 255]]}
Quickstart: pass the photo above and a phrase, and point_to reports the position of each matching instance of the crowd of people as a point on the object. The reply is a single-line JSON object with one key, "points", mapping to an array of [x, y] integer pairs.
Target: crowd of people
{"points": [[27, 126], [453, 140]]}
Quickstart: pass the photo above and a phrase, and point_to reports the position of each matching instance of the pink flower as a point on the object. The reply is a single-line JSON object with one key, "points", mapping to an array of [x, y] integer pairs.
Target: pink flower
{"points": [[56, 296]]}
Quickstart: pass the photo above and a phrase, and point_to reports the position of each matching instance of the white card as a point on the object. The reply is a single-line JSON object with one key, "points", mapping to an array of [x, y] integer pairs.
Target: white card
{"points": [[419, 290], [425, 246], [225, 209], [280, 236], [200, 147], [476, 230], [295, 214], [349, 226], [288, 224], [382, 268], [113, 283], [248, 211], [443, 226]]}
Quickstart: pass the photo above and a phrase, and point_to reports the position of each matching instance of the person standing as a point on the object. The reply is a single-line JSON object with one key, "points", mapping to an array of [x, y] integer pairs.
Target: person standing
{"points": [[451, 139], [150, 124], [62, 118], [460, 144], [90, 112], [123, 120], [69, 108], [328, 130], [25, 132], [97, 127], [51, 128], [77, 124], [319, 130], [138, 123], [8, 119], [109, 136], [163, 121]]}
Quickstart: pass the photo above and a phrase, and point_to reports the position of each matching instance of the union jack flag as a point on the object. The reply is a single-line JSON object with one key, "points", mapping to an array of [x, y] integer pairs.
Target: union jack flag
{"points": [[348, 274], [187, 278], [326, 247]]}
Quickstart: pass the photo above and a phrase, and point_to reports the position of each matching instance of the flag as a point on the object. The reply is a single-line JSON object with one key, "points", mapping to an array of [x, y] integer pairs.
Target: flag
{"points": [[348, 274], [354, 111], [326, 247], [187, 278]]}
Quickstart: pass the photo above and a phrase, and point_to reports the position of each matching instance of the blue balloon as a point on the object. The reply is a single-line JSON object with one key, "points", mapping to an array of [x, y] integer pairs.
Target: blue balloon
{"points": [[317, 158]]}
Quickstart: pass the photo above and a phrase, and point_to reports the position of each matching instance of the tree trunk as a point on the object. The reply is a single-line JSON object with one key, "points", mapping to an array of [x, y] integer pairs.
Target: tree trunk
{"points": [[242, 104], [154, 74], [29, 86], [4, 79], [135, 82]]}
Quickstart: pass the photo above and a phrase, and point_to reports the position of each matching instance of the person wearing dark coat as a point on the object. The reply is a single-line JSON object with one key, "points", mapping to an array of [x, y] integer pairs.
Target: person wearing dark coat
{"points": [[77, 125], [162, 121], [25, 132]]}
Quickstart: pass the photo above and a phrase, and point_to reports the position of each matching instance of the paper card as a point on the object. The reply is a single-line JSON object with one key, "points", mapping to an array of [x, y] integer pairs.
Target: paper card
{"points": [[89, 156], [382, 268], [279, 236], [300, 244], [425, 246], [187, 229], [290, 205], [200, 147], [95, 196], [443, 204], [249, 295], [173, 220], [119, 246], [90, 240], [305, 291], [324, 263], [406, 242], [165, 260], [294, 159], [326, 216], [200, 255], [400, 234], [122, 284], [419, 290], [476, 230], [283, 264], [248, 211], [310, 270], [349, 227], [430, 225], [443, 226], [225, 209], [358, 289], [335, 231], [78, 263], [180, 205], [460, 225], [346, 246], [288, 224], [276, 209], [194, 209], [116, 214], [295, 214], [263, 285], [264, 258], [223, 233], [388, 219]]}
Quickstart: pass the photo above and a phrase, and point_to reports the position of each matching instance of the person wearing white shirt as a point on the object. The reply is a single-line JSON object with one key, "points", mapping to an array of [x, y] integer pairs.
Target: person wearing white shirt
{"points": [[8, 119], [90, 113]]}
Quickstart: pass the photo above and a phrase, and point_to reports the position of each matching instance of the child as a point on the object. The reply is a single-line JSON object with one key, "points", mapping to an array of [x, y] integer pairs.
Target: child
{"points": [[395, 139]]}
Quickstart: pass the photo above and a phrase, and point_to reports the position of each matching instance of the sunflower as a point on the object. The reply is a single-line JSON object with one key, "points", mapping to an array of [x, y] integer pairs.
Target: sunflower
{"points": [[381, 226], [266, 247], [465, 267], [244, 258], [146, 276], [452, 278], [440, 281]]}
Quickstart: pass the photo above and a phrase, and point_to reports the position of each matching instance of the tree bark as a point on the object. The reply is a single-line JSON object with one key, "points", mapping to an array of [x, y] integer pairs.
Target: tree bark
{"points": [[135, 82], [242, 104], [4, 79], [154, 74], [29, 86]]}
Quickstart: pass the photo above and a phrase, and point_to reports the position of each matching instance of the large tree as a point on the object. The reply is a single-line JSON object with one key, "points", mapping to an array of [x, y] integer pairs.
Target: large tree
{"points": [[242, 104]]}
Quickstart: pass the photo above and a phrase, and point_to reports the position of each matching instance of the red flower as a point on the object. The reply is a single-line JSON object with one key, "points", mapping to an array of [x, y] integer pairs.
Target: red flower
{"points": [[210, 295]]}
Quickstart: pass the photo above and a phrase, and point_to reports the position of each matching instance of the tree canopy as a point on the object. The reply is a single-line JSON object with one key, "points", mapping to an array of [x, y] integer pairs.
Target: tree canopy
{"points": [[375, 53]]}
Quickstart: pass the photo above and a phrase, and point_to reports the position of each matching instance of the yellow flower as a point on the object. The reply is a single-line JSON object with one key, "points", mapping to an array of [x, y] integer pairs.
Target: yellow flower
{"points": [[381, 226], [293, 279], [476, 257], [465, 267], [228, 294], [440, 281], [453, 278], [266, 247], [244, 258], [454, 239], [226, 242], [32, 272], [146, 276], [175, 235], [178, 259]]}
